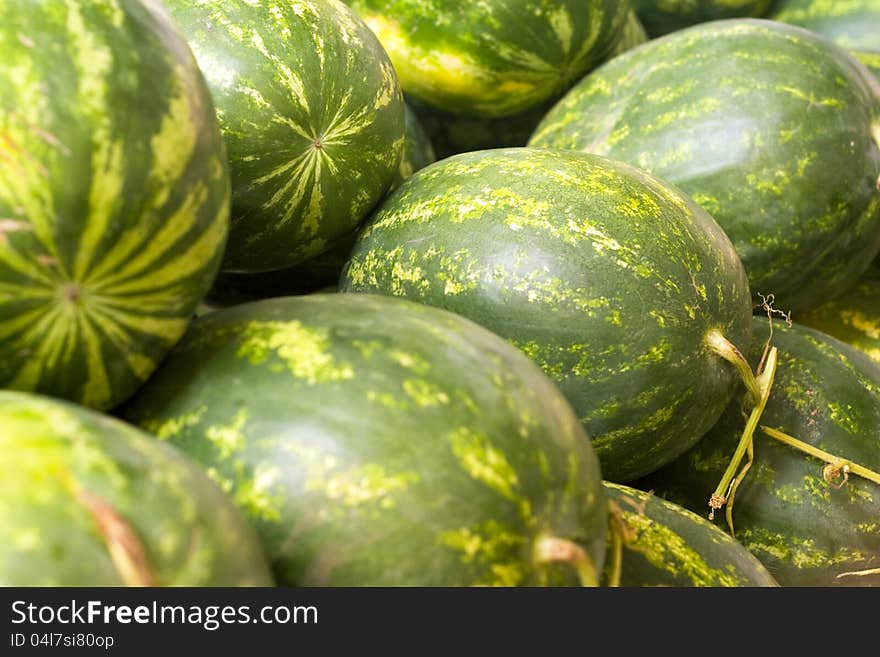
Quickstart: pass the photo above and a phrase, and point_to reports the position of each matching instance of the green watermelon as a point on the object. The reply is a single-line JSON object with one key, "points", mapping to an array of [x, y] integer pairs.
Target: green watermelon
{"points": [[496, 57], [633, 35], [772, 129], [806, 531], [114, 195], [663, 544], [662, 16], [853, 317], [373, 441], [321, 271], [852, 24], [86, 500], [451, 134], [311, 113], [611, 280]]}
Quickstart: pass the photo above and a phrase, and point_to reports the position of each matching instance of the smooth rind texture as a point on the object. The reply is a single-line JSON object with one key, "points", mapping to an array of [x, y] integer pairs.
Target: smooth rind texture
{"points": [[60, 461], [606, 277], [853, 317], [772, 129], [114, 195], [321, 271], [664, 544], [312, 115], [852, 24], [492, 58], [374, 441]]}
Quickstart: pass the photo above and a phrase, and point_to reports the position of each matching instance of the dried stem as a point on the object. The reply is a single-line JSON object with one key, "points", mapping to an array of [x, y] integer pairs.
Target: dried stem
{"points": [[551, 549]]}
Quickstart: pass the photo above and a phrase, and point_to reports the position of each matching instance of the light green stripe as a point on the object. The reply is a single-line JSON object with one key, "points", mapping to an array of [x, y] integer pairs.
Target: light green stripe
{"points": [[93, 61], [195, 258], [158, 245], [19, 323], [96, 391]]}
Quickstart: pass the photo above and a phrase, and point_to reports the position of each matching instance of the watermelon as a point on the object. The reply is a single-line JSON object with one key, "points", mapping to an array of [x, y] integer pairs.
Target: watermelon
{"points": [[853, 317], [664, 544], [86, 500], [323, 270], [374, 441], [451, 134], [114, 195], [312, 115], [805, 529], [611, 280], [663, 16], [852, 24], [770, 128], [493, 58]]}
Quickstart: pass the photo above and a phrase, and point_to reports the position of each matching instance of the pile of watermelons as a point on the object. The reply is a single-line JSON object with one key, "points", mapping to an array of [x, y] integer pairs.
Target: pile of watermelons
{"points": [[252, 333]]}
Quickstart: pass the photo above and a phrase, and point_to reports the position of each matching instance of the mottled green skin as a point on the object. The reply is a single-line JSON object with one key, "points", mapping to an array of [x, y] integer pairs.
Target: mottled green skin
{"points": [[492, 58], [114, 195], [772, 129], [321, 271], [663, 16], [312, 115], [852, 24], [804, 530], [605, 276], [664, 544], [56, 455], [853, 317], [373, 441], [451, 134]]}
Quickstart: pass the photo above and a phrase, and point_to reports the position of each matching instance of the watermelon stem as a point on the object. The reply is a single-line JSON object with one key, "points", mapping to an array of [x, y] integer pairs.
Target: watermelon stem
{"points": [[727, 486], [126, 551], [839, 466], [860, 573], [125, 548], [551, 549], [616, 531], [723, 347]]}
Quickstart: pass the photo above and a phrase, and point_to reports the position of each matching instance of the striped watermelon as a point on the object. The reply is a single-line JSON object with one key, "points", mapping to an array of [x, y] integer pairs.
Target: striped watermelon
{"points": [[807, 531], [662, 16], [852, 24], [663, 544], [451, 134], [853, 317], [373, 441], [495, 57], [114, 195], [312, 115], [772, 129], [321, 271], [86, 500], [611, 280]]}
